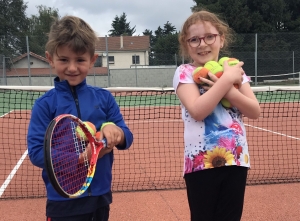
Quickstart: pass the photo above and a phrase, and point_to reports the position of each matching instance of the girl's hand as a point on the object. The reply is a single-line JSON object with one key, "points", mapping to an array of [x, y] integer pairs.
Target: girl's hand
{"points": [[209, 82], [234, 73]]}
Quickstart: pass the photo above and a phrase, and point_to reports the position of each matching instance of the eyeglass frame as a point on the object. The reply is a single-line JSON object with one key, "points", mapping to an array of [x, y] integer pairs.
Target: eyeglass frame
{"points": [[215, 35]]}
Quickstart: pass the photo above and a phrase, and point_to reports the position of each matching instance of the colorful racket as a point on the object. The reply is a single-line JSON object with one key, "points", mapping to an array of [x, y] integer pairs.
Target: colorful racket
{"points": [[69, 167]]}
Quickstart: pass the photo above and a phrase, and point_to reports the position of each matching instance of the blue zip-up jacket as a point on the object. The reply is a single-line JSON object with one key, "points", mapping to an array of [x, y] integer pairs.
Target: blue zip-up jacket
{"points": [[89, 103]]}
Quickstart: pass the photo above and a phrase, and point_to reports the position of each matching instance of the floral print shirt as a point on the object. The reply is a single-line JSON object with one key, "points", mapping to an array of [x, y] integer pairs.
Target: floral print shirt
{"points": [[219, 139]]}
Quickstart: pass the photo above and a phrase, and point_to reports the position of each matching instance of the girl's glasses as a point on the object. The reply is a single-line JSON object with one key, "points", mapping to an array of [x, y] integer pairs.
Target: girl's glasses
{"points": [[208, 39]]}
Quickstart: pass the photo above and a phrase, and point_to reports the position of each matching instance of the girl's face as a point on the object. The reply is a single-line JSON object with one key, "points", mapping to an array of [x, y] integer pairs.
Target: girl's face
{"points": [[204, 52]]}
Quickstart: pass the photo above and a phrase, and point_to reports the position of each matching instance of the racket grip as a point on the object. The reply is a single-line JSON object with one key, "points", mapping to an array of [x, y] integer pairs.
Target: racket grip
{"points": [[104, 141]]}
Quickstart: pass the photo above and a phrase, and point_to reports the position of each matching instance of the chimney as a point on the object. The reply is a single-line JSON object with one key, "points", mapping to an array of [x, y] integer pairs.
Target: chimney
{"points": [[121, 41]]}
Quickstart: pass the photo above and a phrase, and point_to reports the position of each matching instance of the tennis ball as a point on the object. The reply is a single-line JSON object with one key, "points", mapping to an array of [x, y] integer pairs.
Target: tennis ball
{"points": [[91, 127], [221, 60], [215, 68], [225, 103], [231, 61], [98, 135], [200, 72]]}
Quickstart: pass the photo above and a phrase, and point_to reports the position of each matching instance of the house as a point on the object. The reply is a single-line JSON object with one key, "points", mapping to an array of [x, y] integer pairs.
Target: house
{"points": [[39, 66], [36, 61], [123, 51]]}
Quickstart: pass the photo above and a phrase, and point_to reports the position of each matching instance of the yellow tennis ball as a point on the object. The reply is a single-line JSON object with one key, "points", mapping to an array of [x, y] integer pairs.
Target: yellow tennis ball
{"points": [[225, 103], [221, 60], [91, 128], [214, 67], [231, 61]]}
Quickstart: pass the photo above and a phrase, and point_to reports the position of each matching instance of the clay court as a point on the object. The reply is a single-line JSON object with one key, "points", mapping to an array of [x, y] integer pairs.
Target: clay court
{"points": [[147, 178]]}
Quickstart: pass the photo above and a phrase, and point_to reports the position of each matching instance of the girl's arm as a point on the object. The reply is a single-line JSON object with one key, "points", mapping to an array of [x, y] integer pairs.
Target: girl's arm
{"points": [[245, 100], [201, 106]]}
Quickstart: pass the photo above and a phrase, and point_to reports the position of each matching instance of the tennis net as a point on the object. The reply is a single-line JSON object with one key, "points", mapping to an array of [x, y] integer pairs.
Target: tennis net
{"points": [[155, 160]]}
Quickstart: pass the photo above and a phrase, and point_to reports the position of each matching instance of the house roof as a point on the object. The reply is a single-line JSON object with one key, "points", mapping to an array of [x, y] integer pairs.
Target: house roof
{"points": [[31, 54], [21, 72], [130, 43]]}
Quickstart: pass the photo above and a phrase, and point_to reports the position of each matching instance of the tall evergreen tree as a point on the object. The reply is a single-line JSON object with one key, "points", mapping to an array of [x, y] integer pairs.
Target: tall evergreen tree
{"points": [[163, 45], [120, 26]]}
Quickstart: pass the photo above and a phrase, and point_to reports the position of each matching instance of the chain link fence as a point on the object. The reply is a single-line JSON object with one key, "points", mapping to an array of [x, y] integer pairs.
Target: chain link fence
{"points": [[270, 58]]}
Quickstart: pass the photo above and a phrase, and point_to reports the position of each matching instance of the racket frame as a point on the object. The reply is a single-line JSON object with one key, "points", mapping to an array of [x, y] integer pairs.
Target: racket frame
{"points": [[96, 146]]}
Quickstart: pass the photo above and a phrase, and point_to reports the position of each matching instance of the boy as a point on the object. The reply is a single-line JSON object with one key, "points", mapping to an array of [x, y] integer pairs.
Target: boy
{"points": [[71, 53]]}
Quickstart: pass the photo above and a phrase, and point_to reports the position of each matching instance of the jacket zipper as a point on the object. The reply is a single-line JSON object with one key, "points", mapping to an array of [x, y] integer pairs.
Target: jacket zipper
{"points": [[74, 94]]}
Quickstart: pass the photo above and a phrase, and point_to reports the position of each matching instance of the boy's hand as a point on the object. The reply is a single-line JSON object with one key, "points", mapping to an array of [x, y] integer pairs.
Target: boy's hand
{"points": [[114, 136]]}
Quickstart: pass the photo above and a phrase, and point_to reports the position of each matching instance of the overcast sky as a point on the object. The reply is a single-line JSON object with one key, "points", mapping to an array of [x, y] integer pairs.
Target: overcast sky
{"points": [[144, 14]]}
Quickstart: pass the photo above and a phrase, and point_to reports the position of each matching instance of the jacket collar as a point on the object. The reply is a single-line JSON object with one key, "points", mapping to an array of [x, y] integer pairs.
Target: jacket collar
{"points": [[64, 85]]}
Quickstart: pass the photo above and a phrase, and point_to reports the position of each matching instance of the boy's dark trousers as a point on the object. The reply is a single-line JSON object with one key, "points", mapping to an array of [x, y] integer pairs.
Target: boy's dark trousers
{"points": [[101, 214]]}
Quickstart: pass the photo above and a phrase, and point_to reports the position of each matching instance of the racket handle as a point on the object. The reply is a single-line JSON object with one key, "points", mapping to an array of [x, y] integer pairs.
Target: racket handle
{"points": [[104, 141]]}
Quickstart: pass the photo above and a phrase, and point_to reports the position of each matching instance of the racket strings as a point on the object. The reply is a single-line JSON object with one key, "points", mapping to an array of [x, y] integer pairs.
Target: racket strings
{"points": [[65, 151]]}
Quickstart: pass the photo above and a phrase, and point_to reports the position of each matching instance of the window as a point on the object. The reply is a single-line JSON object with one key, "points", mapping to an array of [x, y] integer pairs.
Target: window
{"points": [[111, 59], [98, 62], [135, 59]]}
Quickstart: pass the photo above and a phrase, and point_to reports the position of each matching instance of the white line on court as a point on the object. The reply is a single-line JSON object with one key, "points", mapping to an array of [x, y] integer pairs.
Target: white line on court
{"points": [[6, 114], [152, 121], [15, 169], [178, 120], [12, 173], [281, 134]]}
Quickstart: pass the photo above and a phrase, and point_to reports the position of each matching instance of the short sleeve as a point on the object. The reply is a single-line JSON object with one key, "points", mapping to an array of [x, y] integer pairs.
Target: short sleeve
{"points": [[246, 79], [183, 74]]}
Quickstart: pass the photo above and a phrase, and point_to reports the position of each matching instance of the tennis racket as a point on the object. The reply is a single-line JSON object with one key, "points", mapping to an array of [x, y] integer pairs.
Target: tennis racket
{"points": [[70, 160]]}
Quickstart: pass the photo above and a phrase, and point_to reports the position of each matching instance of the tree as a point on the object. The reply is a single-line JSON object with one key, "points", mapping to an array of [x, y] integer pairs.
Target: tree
{"points": [[39, 27], [253, 16], [273, 21], [293, 7], [120, 26], [165, 50], [14, 25], [163, 45]]}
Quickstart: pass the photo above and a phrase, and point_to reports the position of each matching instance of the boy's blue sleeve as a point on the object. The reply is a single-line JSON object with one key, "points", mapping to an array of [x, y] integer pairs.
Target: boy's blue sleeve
{"points": [[36, 131]]}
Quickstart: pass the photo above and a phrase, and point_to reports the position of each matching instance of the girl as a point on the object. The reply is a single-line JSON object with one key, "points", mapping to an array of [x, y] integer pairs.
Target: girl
{"points": [[216, 158]]}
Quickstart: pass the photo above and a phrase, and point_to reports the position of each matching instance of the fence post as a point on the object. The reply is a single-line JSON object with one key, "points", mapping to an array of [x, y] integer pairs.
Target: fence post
{"points": [[255, 59], [136, 78], [4, 69], [108, 74], [28, 58]]}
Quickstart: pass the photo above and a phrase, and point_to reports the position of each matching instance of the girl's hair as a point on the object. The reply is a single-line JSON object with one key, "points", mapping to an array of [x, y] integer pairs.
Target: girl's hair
{"points": [[73, 32], [204, 16]]}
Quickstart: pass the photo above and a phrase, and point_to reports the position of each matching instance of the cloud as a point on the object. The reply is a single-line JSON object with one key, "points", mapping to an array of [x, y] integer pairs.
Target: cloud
{"points": [[142, 14]]}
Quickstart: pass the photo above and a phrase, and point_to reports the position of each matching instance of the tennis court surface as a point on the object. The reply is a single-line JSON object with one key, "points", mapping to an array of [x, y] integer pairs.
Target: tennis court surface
{"points": [[154, 162]]}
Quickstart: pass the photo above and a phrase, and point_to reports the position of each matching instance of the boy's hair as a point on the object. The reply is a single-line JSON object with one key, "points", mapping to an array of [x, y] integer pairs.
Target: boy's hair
{"points": [[204, 16], [73, 32]]}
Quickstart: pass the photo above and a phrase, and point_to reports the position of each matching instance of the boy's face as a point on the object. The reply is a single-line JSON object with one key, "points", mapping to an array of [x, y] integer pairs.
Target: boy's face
{"points": [[71, 66]]}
